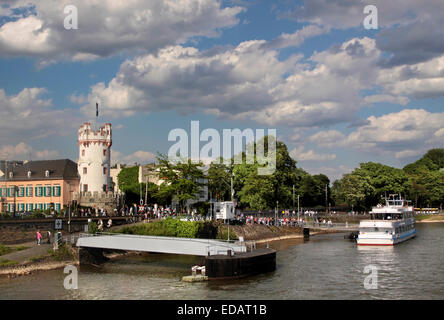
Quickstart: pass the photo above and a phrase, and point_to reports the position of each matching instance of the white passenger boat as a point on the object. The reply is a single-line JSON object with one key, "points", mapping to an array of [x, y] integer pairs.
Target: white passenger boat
{"points": [[389, 224]]}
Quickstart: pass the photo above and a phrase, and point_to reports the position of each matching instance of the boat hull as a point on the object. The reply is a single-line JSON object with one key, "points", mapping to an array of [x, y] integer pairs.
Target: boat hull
{"points": [[386, 241]]}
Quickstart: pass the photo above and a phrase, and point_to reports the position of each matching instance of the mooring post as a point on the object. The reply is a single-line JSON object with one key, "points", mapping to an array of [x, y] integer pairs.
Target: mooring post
{"points": [[306, 232]]}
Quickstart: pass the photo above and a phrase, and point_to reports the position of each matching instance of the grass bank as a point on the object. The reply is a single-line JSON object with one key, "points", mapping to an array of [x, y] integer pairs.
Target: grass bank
{"points": [[52, 259], [8, 249], [429, 218]]}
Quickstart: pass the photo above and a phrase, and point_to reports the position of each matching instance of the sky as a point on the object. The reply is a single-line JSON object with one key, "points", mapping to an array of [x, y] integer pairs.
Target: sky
{"points": [[337, 93]]}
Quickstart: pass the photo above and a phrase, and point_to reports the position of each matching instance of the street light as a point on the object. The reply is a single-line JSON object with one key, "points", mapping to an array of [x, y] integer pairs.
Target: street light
{"points": [[275, 213]]}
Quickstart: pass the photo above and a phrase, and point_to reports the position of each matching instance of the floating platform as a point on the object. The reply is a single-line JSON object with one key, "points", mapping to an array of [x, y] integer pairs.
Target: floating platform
{"points": [[240, 264], [195, 278]]}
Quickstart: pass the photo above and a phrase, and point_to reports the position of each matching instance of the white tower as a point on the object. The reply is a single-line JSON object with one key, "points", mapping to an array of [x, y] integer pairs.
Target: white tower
{"points": [[95, 157]]}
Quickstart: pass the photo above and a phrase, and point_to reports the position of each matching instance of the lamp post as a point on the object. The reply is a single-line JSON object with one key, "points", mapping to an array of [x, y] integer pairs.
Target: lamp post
{"points": [[298, 207], [276, 213]]}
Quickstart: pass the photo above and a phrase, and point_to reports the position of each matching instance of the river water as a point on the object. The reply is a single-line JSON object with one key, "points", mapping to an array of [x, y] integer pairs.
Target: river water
{"points": [[324, 267]]}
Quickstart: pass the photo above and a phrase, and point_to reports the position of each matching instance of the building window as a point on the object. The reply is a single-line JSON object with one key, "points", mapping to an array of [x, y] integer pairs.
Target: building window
{"points": [[56, 191], [105, 170], [29, 191], [38, 191], [83, 153], [47, 191], [85, 188], [85, 170], [21, 192], [104, 152]]}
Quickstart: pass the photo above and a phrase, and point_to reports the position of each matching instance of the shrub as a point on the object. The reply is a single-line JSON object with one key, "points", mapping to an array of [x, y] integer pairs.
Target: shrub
{"points": [[63, 253], [170, 227], [4, 249], [92, 227]]}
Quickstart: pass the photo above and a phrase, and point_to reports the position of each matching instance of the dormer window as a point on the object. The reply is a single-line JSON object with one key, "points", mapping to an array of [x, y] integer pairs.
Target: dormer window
{"points": [[11, 175], [29, 174], [47, 173]]}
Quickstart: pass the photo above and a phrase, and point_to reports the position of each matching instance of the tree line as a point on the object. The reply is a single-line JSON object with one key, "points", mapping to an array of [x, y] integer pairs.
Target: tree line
{"points": [[421, 181]]}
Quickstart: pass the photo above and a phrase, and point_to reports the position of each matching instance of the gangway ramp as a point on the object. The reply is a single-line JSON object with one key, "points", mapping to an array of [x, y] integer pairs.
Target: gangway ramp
{"points": [[157, 244]]}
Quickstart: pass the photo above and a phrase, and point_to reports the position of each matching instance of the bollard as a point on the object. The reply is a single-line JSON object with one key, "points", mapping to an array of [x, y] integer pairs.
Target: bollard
{"points": [[306, 232]]}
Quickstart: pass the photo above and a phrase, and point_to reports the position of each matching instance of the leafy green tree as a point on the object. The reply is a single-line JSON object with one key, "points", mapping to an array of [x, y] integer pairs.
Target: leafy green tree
{"points": [[351, 190], [183, 179], [219, 180], [264, 191]]}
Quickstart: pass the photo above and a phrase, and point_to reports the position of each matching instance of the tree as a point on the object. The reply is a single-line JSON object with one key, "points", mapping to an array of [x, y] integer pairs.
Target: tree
{"points": [[426, 179], [350, 190], [219, 180], [129, 184], [183, 179], [263, 191]]}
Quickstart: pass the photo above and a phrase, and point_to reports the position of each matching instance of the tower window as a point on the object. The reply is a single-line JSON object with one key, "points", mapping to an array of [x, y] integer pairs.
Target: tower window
{"points": [[85, 170], [85, 188], [83, 153], [104, 152], [105, 170]]}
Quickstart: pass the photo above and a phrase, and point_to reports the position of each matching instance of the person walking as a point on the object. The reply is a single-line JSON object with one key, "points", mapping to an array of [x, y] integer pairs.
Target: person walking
{"points": [[39, 237], [48, 234]]}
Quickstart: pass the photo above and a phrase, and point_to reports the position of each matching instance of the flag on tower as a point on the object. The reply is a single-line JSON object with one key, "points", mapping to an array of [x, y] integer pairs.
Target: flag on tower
{"points": [[97, 109]]}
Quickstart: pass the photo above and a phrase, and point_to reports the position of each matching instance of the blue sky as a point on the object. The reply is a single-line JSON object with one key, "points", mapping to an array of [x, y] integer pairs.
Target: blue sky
{"points": [[337, 93]]}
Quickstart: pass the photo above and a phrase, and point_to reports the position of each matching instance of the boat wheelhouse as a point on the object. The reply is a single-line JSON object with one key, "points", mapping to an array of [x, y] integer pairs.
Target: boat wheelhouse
{"points": [[389, 224]]}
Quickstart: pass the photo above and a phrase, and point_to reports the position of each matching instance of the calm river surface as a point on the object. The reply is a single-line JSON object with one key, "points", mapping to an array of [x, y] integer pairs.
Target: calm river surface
{"points": [[325, 267]]}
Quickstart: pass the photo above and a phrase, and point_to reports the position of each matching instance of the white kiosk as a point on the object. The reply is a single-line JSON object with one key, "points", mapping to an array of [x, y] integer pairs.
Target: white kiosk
{"points": [[224, 210]]}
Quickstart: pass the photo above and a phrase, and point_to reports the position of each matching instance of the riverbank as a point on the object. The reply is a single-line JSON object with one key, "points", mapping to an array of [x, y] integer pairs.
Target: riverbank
{"points": [[429, 218], [37, 258]]}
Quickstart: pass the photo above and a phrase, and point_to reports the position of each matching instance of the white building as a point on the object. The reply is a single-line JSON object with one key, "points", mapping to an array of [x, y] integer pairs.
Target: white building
{"points": [[94, 157]]}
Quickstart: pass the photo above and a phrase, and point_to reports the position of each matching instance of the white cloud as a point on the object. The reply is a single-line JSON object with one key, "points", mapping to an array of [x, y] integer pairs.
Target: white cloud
{"points": [[245, 82], [108, 27], [23, 151], [300, 154], [27, 114], [421, 80], [140, 156], [403, 135], [328, 138]]}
